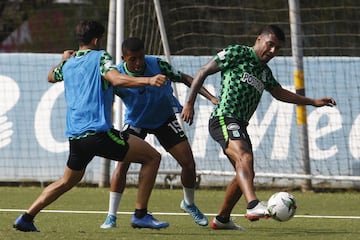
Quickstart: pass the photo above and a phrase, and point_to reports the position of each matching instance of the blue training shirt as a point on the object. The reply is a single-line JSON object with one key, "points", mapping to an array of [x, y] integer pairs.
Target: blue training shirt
{"points": [[148, 106], [89, 101]]}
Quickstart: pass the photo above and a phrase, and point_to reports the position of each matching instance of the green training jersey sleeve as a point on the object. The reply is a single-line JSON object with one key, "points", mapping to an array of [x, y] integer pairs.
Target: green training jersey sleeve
{"points": [[166, 69]]}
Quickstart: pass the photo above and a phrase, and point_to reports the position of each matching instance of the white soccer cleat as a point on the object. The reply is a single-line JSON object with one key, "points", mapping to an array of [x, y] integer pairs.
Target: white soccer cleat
{"points": [[259, 211], [217, 225]]}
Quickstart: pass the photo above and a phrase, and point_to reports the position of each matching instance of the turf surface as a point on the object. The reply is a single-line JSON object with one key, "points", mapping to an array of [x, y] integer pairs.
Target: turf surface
{"points": [[79, 213]]}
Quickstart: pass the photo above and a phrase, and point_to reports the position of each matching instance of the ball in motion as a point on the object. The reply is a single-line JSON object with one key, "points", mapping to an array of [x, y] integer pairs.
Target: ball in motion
{"points": [[282, 206]]}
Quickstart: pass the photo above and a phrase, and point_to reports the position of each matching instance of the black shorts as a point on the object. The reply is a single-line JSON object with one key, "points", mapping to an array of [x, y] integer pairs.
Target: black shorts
{"points": [[222, 129], [111, 145], [169, 134]]}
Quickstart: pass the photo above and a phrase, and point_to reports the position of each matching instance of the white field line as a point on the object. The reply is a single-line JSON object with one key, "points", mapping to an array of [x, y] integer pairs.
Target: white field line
{"points": [[171, 214]]}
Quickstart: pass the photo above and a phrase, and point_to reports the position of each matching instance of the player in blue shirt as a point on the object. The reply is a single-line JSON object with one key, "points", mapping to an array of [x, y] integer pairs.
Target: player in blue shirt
{"points": [[89, 77], [151, 110]]}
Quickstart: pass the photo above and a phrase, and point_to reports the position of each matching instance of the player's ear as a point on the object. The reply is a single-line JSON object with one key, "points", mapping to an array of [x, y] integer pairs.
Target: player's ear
{"points": [[95, 41]]}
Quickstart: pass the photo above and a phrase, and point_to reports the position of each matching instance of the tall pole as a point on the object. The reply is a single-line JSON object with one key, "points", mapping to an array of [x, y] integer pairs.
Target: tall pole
{"points": [[119, 39], [110, 48], [297, 52], [165, 42], [111, 29], [120, 11], [163, 35]]}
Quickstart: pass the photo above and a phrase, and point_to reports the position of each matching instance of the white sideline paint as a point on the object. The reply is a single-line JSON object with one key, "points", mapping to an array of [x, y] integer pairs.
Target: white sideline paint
{"points": [[171, 213]]}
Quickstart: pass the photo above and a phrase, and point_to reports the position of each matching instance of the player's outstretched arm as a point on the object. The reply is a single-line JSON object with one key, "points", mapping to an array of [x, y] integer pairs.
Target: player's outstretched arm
{"points": [[285, 95], [118, 79]]}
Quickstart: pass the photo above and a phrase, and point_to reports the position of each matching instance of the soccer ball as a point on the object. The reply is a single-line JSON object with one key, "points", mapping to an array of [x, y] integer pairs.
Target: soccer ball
{"points": [[282, 206]]}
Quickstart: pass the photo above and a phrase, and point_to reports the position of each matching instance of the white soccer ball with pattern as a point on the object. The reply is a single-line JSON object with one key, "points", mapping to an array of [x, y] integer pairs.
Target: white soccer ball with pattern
{"points": [[282, 206]]}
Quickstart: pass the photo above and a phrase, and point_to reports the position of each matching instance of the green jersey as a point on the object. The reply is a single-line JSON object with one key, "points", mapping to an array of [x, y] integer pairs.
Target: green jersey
{"points": [[243, 79]]}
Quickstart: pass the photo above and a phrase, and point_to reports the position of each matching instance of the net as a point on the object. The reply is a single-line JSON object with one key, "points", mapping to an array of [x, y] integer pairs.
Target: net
{"points": [[201, 28], [32, 118]]}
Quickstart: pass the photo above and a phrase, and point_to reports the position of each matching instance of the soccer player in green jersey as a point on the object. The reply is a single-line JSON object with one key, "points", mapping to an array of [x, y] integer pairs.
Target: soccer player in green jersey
{"points": [[244, 76]]}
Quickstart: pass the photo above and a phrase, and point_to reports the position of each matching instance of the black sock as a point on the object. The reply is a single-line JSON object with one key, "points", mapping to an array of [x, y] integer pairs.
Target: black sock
{"points": [[252, 204], [140, 213], [27, 217], [223, 219]]}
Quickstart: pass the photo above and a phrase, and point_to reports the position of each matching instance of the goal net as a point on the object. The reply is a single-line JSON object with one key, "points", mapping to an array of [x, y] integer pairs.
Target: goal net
{"points": [[32, 112], [196, 30]]}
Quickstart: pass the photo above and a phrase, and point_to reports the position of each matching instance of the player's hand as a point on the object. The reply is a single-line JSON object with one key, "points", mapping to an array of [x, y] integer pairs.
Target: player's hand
{"points": [[214, 100], [67, 54], [187, 114], [326, 101], [157, 80]]}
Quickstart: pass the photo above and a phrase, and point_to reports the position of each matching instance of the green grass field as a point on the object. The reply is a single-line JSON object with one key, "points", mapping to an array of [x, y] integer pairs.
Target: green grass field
{"points": [[319, 216]]}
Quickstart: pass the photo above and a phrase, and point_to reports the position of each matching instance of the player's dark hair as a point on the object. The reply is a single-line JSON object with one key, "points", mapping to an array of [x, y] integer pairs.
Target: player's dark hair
{"points": [[86, 30], [273, 29], [132, 44]]}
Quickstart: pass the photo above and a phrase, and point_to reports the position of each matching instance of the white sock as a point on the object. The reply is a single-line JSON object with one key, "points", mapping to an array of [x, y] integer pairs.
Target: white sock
{"points": [[189, 194], [114, 202]]}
